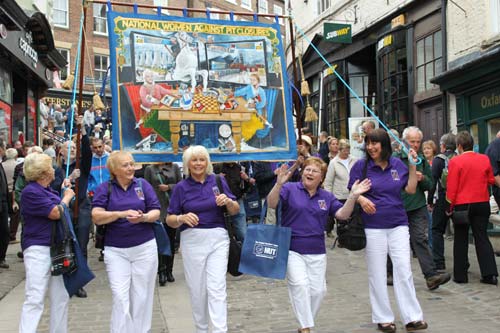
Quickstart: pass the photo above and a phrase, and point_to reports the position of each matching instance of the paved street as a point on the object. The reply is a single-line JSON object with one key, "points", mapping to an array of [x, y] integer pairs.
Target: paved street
{"points": [[260, 305]]}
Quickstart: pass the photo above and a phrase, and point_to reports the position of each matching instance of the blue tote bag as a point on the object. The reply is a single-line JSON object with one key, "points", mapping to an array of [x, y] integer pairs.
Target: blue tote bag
{"points": [[265, 251]]}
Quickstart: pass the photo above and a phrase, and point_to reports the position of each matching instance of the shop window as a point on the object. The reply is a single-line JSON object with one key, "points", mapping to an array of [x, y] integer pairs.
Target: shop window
{"points": [[336, 109], [394, 99], [359, 83], [100, 66], [100, 25], [60, 13], [429, 60], [63, 73], [278, 10], [246, 4], [263, 6], [5, 86], [493, 128]]}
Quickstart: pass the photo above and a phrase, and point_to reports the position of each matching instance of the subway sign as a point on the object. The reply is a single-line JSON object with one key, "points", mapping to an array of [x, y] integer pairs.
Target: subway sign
{"points": [[337, 33]]}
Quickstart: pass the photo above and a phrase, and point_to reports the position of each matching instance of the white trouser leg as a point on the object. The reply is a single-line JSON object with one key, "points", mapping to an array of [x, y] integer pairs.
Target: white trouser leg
{"points": [[37, 266], [376, 261], [306, 285], [132, 274], [204, 254], [404, 289]]}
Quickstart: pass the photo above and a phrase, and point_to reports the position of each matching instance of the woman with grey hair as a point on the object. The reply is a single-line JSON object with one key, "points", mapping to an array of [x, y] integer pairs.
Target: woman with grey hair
{"points": [[196, 207]]}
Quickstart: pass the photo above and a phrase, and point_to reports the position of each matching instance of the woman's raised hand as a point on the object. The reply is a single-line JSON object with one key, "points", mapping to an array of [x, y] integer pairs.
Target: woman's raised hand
{"points": [[283, 174], [359, 188]]}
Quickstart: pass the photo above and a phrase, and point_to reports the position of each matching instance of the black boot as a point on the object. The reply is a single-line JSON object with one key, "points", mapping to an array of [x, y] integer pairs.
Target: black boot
{"points": [[163, 278], [170, 277]]}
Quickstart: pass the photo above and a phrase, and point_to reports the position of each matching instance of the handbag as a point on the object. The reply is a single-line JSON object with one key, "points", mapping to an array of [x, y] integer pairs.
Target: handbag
{"points": [[100, 230], [62, 252], [265, 250], [162, 240], [461, 216], [351, 233], [233, 261]]}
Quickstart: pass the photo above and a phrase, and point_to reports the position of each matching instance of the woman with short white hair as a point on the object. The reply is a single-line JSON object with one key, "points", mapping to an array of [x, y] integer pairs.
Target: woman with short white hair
{"points": [[196, 206]]}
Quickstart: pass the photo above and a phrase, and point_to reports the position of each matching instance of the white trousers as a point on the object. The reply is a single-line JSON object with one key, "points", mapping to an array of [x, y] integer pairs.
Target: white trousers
{"points": [[38, 279], [306, 285], [205, 254], [396, 243], [132, 277]]}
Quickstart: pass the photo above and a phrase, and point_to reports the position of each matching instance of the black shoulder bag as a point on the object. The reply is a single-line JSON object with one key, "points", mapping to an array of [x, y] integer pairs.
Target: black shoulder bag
{"points": [[62, 253], [234, 245], [100, 230], [351, 233]]}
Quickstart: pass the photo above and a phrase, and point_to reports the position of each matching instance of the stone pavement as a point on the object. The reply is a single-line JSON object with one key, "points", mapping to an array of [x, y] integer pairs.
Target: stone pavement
{"points": [[262, 305]]}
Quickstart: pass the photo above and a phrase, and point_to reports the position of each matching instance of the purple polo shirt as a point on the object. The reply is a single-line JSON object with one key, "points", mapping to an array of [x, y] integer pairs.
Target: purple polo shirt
{"points": [[36, 204], [139, 195], [385, 192], [190, 196], [307, 216]]}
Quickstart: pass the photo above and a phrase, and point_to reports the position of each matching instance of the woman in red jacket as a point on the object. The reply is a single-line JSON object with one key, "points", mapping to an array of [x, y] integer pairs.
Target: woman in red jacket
{"points": [[469, 175]]}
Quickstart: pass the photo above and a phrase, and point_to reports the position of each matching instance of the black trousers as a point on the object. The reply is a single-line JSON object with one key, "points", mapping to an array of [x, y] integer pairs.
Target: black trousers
{"points": [[479, 214], [166, 263], [4, 229]]}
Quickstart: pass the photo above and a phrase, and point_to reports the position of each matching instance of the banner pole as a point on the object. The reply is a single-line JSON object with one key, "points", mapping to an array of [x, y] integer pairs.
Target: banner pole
{"points": [[79, 109], [295, 80]]}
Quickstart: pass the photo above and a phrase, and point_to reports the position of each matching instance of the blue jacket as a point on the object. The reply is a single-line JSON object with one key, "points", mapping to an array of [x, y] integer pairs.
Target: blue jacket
{"points": [[99, 172]]}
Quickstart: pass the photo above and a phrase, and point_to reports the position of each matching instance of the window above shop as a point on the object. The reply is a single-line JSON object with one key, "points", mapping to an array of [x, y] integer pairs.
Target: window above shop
{"points": [[429, 60], [60, 13], [100, 24], [495, 16], [100, 67], [161, 3], [278, 10], [63, 73], [322, 5], [263, 6], [246, 4], [214, 16]]}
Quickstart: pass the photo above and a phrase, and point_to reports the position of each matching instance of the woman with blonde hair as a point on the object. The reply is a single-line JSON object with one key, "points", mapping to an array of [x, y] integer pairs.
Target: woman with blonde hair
{"points": [[39, 211], [196, 207], [127, 206]]}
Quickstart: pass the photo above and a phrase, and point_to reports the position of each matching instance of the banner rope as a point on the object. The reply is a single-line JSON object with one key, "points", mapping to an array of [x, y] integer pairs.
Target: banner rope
{"points": [[367, 108]]}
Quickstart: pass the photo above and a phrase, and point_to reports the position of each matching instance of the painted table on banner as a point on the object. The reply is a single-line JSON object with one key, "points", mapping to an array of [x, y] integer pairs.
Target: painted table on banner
{"points": [[210, 112]]}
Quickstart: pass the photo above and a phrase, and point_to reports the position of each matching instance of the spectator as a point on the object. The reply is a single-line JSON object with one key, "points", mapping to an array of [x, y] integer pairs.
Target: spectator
{"points": [[333, 149], [9, 166], [323, 146], [439, 217], [469, 176], [164, 177], [89, 119]]}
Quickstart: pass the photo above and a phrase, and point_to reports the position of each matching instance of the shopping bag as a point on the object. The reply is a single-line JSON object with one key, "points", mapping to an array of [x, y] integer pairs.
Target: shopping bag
{"points": [[162, 240], [265, 251]]}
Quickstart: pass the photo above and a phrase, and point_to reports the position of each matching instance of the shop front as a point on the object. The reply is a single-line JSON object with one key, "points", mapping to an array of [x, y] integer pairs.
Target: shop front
{"points": [[27, 59], [476, 86]]}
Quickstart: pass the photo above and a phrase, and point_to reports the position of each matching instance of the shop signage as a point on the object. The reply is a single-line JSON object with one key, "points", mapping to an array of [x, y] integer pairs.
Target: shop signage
{"points": [[337, 33], [490, 101], [65, 101], [28, 50], [398, 20], [486, 101], [386, 41]]}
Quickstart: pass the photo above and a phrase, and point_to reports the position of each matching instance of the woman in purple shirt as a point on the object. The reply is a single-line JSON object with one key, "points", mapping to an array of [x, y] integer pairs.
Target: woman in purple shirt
{"points": [[39, 210], [386, 228], [196, 207], [305, 209], [128, 206]]}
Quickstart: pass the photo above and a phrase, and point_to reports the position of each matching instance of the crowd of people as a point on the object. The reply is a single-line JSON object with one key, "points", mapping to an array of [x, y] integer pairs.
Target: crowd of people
{"points": [[407, 195]]}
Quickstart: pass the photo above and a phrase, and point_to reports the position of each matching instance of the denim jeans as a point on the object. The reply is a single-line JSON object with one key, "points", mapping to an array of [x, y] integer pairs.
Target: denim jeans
{"points": [[84, 223]]}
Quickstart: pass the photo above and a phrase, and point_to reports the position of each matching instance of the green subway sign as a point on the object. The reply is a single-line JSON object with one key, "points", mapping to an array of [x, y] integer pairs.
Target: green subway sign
{"points": [[337, 33]]}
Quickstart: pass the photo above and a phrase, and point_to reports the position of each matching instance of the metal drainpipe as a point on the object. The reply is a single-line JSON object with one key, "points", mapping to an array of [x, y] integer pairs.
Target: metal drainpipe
{"points": [[444, 41]]}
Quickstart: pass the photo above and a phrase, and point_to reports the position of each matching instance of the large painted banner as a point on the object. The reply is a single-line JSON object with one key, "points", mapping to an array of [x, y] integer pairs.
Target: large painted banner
{"points": [[180, 81]]}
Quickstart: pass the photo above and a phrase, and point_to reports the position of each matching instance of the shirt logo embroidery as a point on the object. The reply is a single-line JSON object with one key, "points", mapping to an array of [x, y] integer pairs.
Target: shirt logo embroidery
{"points": [[322, 204], [216, 191], [395, 174], [140, 193]]}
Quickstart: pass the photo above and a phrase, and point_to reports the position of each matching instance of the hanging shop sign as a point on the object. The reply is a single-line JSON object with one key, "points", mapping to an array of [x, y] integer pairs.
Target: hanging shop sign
{"points": [[337, 33], [386, 41], [398, 20]]}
